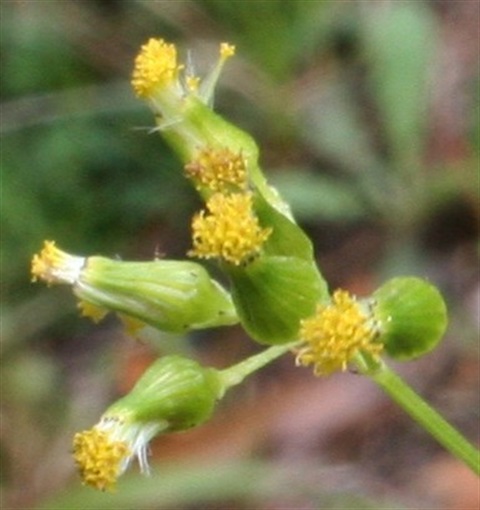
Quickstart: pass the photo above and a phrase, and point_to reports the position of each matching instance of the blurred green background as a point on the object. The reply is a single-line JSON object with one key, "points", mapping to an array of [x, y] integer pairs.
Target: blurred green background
{"points": [[367, 117]]}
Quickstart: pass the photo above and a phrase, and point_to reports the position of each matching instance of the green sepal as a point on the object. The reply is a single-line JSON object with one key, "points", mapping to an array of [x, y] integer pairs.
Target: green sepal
{"points": [[173, 296], [176, 391], [272, 294], [412, 316]]}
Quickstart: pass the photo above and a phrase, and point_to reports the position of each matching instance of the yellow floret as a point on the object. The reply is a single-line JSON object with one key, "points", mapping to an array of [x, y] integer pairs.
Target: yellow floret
{"points": [[99, 459], [155, 67], [229, 230], [336, 334]]}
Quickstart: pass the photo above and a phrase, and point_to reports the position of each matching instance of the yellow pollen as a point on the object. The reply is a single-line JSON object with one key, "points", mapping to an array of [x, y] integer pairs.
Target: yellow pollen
{"points": [[218, 169], [336, 334], [98, 458], [229, 230], [155, 67], [227, 50]]}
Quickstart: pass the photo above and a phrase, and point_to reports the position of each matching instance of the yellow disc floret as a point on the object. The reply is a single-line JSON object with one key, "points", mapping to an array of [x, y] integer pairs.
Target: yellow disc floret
{"points": [[229, 230], [218, 169], [56, 266], [336, 334], [155, 67], [99, 459]]}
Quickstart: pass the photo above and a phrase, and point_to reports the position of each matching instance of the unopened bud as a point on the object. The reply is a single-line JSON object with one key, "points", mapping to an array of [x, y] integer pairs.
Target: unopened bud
{"points": [[411, 315]]}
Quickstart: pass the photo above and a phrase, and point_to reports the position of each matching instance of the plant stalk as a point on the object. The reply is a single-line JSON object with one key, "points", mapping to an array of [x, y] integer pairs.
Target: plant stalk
{"points": [[237, 373], [426, 416]]}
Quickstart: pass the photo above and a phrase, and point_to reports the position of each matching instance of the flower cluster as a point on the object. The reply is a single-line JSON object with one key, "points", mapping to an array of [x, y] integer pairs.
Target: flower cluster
{"points": [[276, 290]]}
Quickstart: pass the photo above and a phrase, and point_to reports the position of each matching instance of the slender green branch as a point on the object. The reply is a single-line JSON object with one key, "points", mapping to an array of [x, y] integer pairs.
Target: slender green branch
{"points": [[237, 373], [426, 416]]}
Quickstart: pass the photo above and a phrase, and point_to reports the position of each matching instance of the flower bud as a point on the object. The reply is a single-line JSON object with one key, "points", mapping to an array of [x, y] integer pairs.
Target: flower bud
{"points": [[411, 315], [174, 394], [173, 296]]}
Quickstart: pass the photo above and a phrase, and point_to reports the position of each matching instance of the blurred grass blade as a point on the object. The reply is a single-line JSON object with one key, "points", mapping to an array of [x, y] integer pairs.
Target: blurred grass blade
{"points": [[400, 42], [170, 486]]}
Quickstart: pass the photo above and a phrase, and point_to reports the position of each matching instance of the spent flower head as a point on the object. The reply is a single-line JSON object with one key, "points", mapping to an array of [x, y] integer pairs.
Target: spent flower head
{"points": [[228, 230], [336, 334]]}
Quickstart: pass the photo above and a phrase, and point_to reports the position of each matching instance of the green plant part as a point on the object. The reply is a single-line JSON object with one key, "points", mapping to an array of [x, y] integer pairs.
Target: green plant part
{"points": [[174, 394], [411, 315], [173, 296], [272, 294], [176, 390]]}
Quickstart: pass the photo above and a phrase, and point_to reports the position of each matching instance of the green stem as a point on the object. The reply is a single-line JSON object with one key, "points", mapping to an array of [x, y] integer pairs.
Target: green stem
{"points": [[237, 373], [426, 416]]}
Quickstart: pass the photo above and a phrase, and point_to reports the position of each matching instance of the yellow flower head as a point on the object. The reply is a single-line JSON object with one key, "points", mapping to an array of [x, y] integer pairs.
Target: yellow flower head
{"points": [[99, 458], [55, 266], [218, 169], [336, 334], [155, 67], [103, 453], [229, 230]]}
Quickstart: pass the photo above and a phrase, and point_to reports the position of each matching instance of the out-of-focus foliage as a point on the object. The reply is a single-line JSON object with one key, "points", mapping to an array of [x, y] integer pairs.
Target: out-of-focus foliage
{"points": [[367, 117]]}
